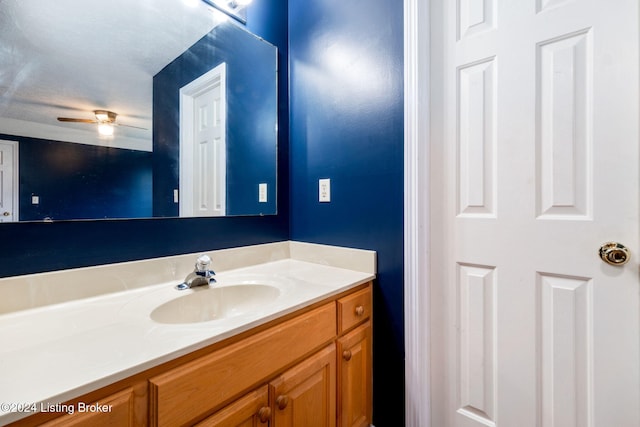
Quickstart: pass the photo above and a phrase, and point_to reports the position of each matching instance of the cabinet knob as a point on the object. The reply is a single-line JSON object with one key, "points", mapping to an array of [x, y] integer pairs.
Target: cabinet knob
{"points": [[359, 310], [282, 401], [346, 355], [264, 414]]}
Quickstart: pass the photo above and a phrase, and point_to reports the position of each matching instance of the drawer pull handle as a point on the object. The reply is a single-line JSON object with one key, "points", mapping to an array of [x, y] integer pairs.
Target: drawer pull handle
{"points": [[346, 355], [282, 402], [359, 310], [264, 414]]}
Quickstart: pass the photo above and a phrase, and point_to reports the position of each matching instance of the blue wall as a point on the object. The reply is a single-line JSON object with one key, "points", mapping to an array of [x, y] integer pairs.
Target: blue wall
{"points": [[37, 247], [346, 101], [78, 181]]}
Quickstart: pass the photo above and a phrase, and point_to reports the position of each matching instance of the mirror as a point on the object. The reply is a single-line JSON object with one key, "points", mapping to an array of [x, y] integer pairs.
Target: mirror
{"points": [[180, 146]]}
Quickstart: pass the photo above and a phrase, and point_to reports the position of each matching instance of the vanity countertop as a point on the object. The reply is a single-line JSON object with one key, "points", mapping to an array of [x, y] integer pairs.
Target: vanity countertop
{"points": [[54, 353]]}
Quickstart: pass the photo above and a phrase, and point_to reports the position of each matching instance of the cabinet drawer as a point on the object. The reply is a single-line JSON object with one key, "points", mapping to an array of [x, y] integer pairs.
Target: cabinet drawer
{"points": [[354, 309], [188, 392], [251, 410]]}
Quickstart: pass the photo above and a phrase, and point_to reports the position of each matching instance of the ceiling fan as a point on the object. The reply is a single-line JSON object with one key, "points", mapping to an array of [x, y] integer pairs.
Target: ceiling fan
{"points": [[105, 120]]}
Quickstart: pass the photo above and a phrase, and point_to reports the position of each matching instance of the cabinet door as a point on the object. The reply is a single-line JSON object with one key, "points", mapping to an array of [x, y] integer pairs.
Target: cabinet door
{"points": [[115, 410], [251, 410], [354, 378], [305, 395]]}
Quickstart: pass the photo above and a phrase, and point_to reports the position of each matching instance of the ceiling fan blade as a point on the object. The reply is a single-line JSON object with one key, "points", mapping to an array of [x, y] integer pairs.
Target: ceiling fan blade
{"points": [[129, 126], [68, 119]]}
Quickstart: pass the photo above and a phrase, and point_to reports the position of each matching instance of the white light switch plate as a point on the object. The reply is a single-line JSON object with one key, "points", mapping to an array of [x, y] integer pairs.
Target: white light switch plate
{"points": [[35, 200], [324, 190]]}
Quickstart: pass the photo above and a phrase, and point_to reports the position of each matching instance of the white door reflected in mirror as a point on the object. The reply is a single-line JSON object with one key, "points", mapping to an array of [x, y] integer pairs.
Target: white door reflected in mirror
{"points": [[8, 181], [203, 173]]}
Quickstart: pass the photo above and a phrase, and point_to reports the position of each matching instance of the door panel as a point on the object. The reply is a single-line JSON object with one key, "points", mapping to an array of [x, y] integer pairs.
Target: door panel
{"points": [[535, 140]]}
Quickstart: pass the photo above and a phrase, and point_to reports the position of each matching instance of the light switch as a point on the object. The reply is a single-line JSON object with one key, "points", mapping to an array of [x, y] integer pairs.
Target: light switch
{"points": [[35, 200], [324, 190], [176, 196]]}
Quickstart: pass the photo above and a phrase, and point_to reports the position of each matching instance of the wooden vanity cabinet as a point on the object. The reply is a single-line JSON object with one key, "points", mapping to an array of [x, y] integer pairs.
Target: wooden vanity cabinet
{"points": [[311, 368]]}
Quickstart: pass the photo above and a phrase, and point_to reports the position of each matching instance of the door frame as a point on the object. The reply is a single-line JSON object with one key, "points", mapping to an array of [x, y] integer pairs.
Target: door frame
{"points": [[417, 286], [217, 75], [16, 177], [421, 293]]}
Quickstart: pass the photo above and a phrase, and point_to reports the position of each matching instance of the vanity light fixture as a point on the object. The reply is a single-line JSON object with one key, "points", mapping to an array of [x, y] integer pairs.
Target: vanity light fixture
{"points": [[233, 8], [234, 4]]}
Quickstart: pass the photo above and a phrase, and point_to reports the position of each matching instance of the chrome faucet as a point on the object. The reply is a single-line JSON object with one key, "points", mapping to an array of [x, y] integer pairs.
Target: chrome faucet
{"points": [[201, 276]]}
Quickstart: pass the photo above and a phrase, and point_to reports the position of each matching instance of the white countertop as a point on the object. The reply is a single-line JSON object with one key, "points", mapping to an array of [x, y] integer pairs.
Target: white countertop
{"points": [[58, 352]]}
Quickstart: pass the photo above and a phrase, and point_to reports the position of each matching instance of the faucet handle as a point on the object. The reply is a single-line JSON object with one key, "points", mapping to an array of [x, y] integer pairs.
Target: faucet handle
{"points": [[202, 268], [202, 263]]}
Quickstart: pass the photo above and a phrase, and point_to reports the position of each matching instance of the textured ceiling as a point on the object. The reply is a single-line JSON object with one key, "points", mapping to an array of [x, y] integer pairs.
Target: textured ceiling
{"points": [[70, 57]]}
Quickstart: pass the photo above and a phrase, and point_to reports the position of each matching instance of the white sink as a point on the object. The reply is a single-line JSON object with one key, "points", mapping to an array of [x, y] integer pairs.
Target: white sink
{"points": [[215, 302]]}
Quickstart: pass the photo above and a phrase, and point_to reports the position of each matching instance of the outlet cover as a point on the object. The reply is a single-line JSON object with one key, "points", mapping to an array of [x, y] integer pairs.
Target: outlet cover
{"points": [[324, 190], [262, 192]]}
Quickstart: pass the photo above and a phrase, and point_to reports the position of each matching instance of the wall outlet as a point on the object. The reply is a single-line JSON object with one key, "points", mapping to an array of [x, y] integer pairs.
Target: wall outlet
{"points": [[262, 192], [324, 190]]}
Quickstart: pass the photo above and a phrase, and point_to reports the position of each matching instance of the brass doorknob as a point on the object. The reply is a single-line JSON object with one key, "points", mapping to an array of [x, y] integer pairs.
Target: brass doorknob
{"points": [[614, 253]]}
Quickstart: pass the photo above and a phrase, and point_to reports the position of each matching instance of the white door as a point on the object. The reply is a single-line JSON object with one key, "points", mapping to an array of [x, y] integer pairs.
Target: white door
{"points": [[534, 166], [203, 145], [8, 181]]}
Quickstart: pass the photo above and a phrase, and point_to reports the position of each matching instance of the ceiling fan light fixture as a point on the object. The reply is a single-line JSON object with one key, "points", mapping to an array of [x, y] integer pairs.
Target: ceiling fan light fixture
{"points": [[104, 116], [105, 129]]}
